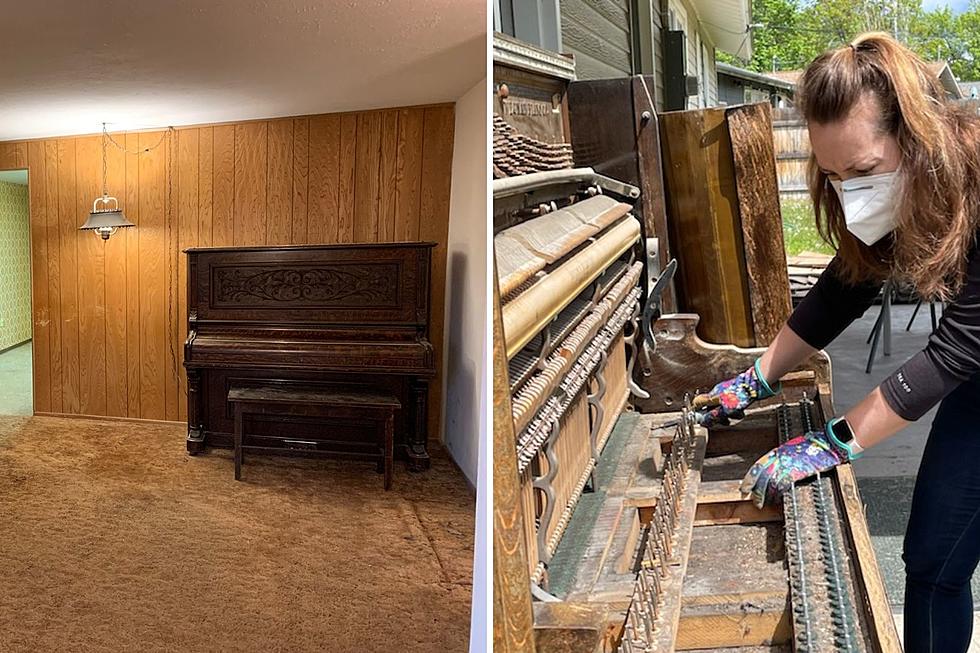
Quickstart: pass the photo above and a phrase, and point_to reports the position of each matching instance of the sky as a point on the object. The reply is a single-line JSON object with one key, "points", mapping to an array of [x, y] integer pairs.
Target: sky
{"points": [[957, 5]]}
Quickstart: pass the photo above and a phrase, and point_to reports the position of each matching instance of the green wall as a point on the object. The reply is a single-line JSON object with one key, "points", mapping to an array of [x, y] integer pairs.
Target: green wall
{"points": [[15, 265]]}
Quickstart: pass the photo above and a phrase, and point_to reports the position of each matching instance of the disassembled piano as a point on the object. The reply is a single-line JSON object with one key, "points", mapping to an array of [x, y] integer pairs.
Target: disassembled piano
{"points": [[618, 525], [337, 317]]}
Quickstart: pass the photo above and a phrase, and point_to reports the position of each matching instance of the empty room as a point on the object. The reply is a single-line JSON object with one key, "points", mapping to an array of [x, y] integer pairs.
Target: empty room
{"points": [[241, 324]]}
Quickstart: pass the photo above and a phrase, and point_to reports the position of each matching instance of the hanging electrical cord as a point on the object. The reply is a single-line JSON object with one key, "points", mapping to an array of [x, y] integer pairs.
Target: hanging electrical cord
{"points": [[108, 136], [169, 137], [172, 326]]}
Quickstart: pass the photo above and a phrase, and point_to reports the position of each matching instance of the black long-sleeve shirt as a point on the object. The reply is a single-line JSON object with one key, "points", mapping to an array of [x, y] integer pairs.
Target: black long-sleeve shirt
{"points": [[950, 357]]}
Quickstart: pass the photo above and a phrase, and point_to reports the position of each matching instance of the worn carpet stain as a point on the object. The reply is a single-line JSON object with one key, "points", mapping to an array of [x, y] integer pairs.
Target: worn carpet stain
{"points": [[112, 538]]}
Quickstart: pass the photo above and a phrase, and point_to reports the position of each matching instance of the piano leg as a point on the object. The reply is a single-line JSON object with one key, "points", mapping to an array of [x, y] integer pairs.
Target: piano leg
{"points": [[418, 452], [195, 434]]}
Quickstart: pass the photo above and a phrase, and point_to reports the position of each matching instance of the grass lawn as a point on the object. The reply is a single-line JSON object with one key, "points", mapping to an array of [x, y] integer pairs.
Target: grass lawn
{"points": [[800, 229]]}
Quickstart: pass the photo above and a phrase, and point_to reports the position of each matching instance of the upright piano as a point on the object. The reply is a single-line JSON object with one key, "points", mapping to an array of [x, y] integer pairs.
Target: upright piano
{"points": [[338, 317]]}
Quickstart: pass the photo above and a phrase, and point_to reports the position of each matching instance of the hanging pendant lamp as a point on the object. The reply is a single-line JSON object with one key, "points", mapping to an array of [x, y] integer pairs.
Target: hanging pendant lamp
{"points": [[106, 216]]}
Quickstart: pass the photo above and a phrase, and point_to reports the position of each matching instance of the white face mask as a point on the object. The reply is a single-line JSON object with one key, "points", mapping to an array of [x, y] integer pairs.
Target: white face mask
{"points": [[868, 204]]}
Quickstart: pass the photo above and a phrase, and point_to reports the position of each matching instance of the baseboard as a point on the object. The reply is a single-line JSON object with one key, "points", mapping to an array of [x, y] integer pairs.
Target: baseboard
{"points": [[22, 342], [110, 418]]}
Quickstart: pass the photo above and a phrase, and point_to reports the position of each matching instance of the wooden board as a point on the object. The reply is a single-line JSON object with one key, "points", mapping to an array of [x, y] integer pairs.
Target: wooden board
{"points": [[739, 620], [512, 619], [762, 226], [68, 221], [109, 317], [610, 135], [437, 160], [152, 279], [223, 186], [726, 228], [188, 235], [279, 177], [52, 309], [134, 365], [705, 233], [91, 281], [39, 271]]}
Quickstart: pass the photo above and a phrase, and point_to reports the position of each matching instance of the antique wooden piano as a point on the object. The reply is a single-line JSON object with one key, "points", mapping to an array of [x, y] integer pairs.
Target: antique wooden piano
{"points": [[337, 317], [618, 525]]}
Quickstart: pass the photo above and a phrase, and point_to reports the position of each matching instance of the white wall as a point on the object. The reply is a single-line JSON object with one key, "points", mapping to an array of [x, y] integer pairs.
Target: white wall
{"points": [[466, 310], [467, 358]]}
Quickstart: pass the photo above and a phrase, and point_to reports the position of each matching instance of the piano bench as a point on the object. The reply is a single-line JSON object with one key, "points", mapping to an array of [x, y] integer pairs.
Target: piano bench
{"points": [[314, 402]]}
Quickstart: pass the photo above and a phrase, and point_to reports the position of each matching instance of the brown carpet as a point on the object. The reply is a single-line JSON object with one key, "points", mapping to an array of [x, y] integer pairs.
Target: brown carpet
{"points": [[112, 538]]}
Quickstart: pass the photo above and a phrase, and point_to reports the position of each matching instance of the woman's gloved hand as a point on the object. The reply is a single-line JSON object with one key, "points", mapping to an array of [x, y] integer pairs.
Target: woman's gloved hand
{"points": [[728, 399], [795, 459]]}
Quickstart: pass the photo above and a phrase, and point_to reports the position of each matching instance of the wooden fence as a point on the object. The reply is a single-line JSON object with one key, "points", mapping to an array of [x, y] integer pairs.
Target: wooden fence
{"points": [[792, 148]]}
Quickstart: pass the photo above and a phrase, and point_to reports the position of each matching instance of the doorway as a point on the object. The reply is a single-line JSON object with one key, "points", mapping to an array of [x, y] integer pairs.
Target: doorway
{"points": [[16, 329]]}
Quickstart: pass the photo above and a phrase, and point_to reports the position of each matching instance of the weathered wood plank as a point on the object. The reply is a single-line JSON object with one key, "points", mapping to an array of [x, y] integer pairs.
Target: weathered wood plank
{"points": [[512, 617], [762, 226]]}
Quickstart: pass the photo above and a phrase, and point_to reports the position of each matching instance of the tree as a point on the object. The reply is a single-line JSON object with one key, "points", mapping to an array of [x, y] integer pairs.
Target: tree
{"points": [[788, 34], [965, 44]]}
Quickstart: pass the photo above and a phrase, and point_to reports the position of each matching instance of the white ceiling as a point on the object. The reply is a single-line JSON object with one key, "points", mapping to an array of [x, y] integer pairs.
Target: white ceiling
{"points": [[69, 65]]}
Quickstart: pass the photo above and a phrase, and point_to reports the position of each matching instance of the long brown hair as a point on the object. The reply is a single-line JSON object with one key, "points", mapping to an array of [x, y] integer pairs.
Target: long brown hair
{"points": [[938, 210]]}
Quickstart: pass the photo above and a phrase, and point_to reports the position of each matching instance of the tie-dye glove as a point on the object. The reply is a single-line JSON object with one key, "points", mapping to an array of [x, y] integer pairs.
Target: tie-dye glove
{"points": [[795, 459], [728, 399]]}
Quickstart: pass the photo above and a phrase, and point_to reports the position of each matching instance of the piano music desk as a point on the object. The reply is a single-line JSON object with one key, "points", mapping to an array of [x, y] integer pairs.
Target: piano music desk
{"points": [[311, 402]]}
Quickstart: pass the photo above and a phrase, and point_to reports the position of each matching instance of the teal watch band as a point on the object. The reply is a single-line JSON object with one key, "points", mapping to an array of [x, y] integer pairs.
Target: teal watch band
{"points": [[844, 445], [765, 384]]}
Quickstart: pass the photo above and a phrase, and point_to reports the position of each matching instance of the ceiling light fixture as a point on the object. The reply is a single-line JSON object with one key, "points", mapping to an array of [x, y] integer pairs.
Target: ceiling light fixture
{"points": [[105, 220]]}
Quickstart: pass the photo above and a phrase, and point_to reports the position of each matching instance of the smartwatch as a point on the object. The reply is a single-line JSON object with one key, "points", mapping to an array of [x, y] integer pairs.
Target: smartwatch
{"points": [[840, 432]]}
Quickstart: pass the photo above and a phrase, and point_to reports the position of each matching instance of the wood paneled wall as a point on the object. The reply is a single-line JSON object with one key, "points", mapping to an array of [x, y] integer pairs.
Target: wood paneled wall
{"points": [[110, 317]]}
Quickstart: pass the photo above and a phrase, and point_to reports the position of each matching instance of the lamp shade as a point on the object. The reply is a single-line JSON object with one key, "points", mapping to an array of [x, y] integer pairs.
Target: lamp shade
{"points": [[104, 221]]}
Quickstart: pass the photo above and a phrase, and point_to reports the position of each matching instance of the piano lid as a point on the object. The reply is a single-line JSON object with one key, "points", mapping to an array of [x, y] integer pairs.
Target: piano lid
{"points": [[363, 285]]}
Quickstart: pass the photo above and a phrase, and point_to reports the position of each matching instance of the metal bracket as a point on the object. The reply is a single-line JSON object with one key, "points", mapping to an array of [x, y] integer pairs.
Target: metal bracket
{"points": [[652, 250], [651, 310]]}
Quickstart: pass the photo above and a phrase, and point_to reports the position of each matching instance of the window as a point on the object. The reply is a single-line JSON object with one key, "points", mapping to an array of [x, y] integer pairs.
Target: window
{"points": [[533, 21]]}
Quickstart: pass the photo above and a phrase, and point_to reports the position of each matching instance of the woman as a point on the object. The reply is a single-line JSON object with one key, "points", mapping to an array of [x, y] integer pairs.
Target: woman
{"points": [[895, 179]]}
